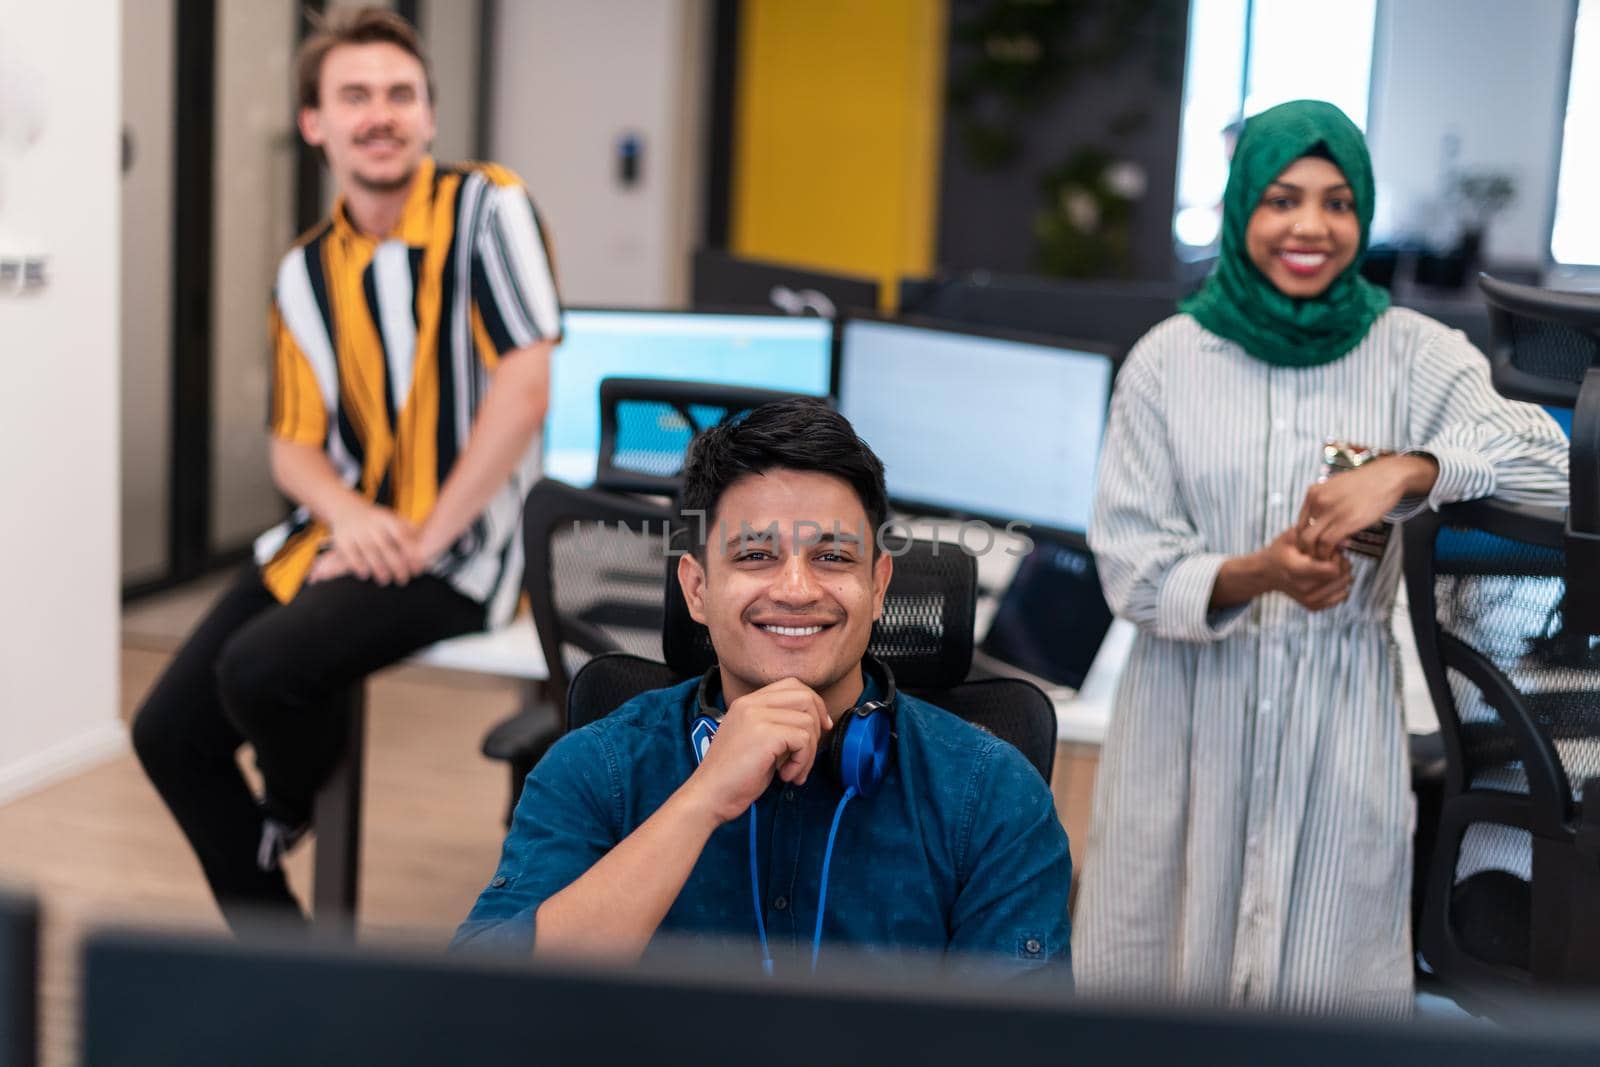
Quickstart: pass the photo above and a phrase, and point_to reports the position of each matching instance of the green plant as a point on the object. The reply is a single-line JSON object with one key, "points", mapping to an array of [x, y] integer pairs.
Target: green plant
{"points": [[1482, 196], [1012, 58], [1085, 228]]}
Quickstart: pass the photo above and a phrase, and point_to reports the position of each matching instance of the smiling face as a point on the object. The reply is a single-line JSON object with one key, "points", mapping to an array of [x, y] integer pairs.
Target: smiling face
{"points": [[373, 119], [1305, 231], [788, 587]]}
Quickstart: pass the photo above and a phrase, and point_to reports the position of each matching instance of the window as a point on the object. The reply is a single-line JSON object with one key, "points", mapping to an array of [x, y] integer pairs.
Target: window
{"points": [[1575, 233], [1244, 57]]}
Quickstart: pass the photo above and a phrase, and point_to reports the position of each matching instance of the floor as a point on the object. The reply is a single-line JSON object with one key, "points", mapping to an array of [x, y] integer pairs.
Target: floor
{"points": [[99, 848]]}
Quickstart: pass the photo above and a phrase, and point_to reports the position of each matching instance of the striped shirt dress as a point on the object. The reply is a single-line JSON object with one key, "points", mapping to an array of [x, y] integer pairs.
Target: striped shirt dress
{"points": [[382, 356], [1250, 840]]}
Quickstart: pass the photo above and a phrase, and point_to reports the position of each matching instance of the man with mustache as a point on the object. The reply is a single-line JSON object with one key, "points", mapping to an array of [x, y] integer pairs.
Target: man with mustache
{"points": [[412, 332], [789, 798]]}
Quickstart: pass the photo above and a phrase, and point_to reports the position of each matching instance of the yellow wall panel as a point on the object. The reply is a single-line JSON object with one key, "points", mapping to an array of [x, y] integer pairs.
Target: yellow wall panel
{"points": [[836, 136]]}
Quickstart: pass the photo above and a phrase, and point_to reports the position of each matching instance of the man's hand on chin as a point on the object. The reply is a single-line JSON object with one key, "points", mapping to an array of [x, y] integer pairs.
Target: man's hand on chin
{"points": [[772, 731]]}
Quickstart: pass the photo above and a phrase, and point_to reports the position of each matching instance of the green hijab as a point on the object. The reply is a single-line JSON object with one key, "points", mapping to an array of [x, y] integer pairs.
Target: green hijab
{"points": [[1237, 302]]}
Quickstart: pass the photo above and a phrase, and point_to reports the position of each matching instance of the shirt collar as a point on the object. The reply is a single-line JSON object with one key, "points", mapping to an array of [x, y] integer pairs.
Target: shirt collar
{"points": [[870, 690], [415, 217]]}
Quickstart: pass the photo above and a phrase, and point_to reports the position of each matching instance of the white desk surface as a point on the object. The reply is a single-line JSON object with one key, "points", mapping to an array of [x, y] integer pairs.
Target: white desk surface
{"points": [[512, 651], [1084, 716]]}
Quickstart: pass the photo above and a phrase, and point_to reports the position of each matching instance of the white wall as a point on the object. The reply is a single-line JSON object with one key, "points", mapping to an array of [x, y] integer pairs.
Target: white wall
{"points": [[58, 409], [569, 80], [1491, 73]]}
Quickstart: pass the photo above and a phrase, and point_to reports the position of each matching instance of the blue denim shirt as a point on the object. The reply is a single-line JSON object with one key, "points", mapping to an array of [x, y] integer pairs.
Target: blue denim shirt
{"points": [[959, 852]]}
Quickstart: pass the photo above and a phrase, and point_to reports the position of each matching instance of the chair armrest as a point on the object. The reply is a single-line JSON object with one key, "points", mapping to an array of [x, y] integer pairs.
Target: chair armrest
{"points": [[524, 735]]}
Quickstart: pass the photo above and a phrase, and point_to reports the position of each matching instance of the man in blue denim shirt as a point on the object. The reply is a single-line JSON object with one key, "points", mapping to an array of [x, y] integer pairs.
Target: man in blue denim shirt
{"points": [[628, 828]]}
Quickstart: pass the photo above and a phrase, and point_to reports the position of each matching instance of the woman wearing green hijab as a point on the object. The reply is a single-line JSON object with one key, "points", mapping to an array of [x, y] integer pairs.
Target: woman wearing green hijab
{"points": [[1250, 842]]}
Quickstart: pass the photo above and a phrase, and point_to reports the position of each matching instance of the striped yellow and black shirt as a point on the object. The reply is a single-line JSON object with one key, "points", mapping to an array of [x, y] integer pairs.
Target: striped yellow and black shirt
{"points": [[382, 351]]}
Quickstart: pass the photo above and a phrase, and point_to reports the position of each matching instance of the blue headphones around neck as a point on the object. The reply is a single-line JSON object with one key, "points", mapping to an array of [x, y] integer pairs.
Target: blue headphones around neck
{"points": [[859, 746], [857, 758]]}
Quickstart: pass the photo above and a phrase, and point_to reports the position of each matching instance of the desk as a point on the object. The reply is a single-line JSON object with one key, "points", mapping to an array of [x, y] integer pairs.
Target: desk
{"points": [[512, 652], [1084, 716]]}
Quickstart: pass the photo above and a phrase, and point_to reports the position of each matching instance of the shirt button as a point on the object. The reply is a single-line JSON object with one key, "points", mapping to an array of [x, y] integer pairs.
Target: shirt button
{"points": [[1266, 705], [1033, 946], [781, 903], [1279, 424], [1275, 499], [499, 880], [788, 794]]}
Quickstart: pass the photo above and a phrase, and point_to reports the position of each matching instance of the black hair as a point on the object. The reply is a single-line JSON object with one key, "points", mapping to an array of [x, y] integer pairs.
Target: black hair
{"points": [[1320, 151], [370, 25], [800, 434]]}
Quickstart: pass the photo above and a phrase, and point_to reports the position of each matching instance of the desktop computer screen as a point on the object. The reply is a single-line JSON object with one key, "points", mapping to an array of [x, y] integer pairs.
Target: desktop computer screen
{"points": [[1052, 617], [1110, 313], [762, 351], [979, 424]]}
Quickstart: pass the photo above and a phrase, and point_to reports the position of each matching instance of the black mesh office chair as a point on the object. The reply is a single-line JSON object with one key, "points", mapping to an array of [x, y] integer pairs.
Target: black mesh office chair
{"points": [[1495, 588], [924, 636], [646, 426], [592, 572], [1547, 350]]}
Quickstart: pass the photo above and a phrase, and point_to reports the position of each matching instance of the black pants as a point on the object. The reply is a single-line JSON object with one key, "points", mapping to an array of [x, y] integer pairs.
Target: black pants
{"points": [[278, 676]]}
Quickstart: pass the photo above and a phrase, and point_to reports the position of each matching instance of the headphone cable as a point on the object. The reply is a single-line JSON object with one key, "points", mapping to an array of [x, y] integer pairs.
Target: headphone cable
{"points": [[822, 894], [755, 897]]}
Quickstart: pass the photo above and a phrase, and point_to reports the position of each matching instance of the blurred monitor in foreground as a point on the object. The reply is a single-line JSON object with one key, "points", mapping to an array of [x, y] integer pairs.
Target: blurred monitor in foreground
{"points": [[160, 1000]]}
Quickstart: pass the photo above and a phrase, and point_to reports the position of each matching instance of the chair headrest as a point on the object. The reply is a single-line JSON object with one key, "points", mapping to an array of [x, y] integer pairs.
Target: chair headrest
{"points": [[925, 634], [1545, 341]]}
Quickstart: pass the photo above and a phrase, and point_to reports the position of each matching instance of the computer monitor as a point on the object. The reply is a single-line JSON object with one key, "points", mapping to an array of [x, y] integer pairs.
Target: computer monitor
{"points": [[1109, 313], [152, 1000], [723, 280], [984, 425], [1052, 617], [775, 352]]}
